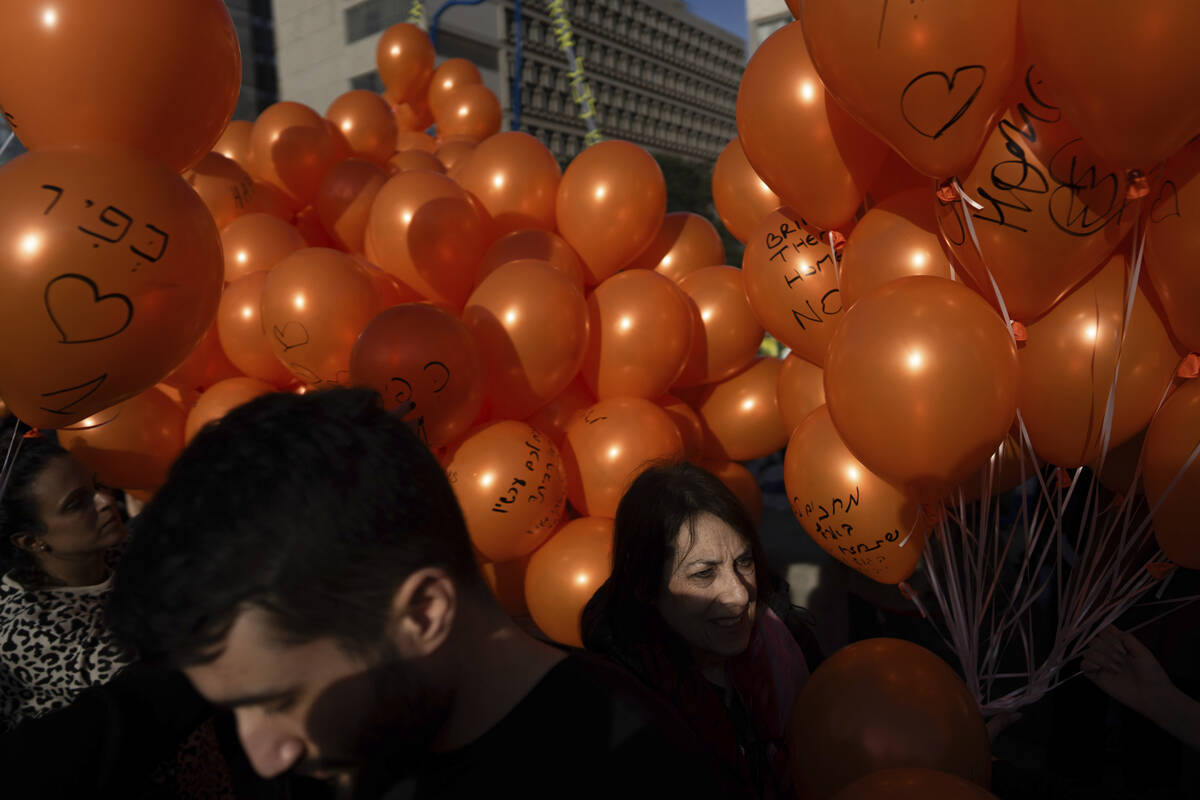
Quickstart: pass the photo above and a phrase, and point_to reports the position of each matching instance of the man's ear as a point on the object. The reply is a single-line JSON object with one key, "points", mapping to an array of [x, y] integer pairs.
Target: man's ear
{"points": [[423, 612], [24, 541]]}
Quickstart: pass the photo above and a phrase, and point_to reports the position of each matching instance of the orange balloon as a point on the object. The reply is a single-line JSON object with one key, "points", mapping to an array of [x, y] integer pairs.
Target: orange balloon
{"points": [[1120, 465], [78, 82], [898, 237], [409, 160], [470, 109], [111, 275], [292, 149], [691, 429], [256, 243], [449, 75], [1173, 245], [413, 115], [791, 283], [896, 176], [685, 243], [883, 703], [563, 575], [234, 143], [450, 151], [849, 511], [415, 140], [794, 7], [308, 224], [204, 366], [801, 142], [1007, 468], [609, 445], [417, 353], [742, 483], [729, 334], [507, 582], [425, 231], [921, 381], [611, 202], [741, 413], [532, 243], [1051, 212], [1103, 55], [739, 195], [641, 334], [1170, 440], [314, 305], [345, 199], [509, 481], [134, 447], [907, 783], [1067, 369], [269, 200], [240, 331], [222, 398], [365, 120], [224, 187], [404, 57], [928, 82], [552, 419], [801, 391], [531, 325], [516, 178], [389, 290]]}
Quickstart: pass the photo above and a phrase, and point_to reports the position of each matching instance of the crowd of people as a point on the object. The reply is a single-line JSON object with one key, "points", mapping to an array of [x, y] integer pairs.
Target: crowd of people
{"points": [[299, 613]]}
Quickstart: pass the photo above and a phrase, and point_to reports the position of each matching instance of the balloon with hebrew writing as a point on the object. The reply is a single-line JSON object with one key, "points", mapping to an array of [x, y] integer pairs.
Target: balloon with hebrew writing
{"points": [[928, 78], [1173, 244], [366, 120], [1104, 54], [611, 203], [111, 275], [1173, 436], [315, 303], [509, 482], [1051, 211], [404, 57], [226, 188], [131, 446], [609, 445], [515, 177], [921, 381], [898, 237], [883, 703], [419, 355], [1069, 362], [564, 573], [65, 83], [814, 155], [854, 515], [791, 282]]}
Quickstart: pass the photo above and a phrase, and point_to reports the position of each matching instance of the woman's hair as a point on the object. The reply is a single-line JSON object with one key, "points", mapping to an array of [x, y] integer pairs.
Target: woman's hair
{"points": [[622, 617], [18, 507]]}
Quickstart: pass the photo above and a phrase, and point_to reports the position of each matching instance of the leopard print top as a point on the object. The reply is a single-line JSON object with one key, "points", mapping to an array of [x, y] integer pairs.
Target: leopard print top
{"points": [[53, 645]]}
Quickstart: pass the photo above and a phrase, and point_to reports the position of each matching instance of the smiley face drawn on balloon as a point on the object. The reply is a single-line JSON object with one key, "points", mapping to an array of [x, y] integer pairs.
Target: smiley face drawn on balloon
{"points": [[435, 377]]}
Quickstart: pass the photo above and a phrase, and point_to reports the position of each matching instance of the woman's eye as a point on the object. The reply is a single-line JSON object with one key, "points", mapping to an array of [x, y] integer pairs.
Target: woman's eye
{"points": [[745, 563], [704, 573], [280, 707]]}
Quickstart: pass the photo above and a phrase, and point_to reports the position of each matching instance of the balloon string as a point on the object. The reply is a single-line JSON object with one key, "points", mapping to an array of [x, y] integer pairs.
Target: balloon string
{"points": [[10, 458], [837, 271], [966, 199], [11, 135]]}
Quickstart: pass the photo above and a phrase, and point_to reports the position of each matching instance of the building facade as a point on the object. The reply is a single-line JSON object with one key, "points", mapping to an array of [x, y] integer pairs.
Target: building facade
{"points": [[256, 36], [659, 75], [764, 17]]}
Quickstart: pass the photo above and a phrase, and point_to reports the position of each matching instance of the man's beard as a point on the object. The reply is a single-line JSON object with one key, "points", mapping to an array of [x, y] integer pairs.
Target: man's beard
{"points": [[377, 724]]}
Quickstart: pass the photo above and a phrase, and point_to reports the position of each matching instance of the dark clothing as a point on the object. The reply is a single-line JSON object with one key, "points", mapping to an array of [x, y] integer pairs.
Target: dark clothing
{"points": [[588, 729]]}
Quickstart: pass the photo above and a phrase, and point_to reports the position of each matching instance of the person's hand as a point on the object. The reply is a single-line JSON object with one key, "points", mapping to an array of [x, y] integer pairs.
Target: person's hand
{"points": [[1123, 668]]}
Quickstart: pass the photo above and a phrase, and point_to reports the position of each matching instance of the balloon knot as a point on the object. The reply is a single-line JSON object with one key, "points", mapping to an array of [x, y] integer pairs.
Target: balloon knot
{"points": [[931, 515], [1160, 569], [1064, 478], [839, 240], [1019, 332], [1190, 366], [33, 433], [946, 191], [911, 597], [1137, 185]]}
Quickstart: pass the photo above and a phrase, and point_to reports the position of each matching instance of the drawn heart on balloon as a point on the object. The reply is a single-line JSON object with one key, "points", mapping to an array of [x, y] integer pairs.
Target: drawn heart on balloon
{"points": [[1166, 204], [933, 101], [291, 335], [81, 314]]}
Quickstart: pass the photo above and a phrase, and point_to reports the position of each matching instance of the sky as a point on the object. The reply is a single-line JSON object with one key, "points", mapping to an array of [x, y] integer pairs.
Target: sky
{"points": [[729, 14]]}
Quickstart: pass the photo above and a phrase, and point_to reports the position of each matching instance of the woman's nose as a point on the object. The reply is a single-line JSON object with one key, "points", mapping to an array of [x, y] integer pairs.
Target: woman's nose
{"points": [[734, 592], [271, 750]]}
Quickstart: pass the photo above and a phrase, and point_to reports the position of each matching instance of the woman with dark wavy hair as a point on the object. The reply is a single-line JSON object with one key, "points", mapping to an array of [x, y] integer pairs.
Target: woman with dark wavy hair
{"points": [[692, 609]]}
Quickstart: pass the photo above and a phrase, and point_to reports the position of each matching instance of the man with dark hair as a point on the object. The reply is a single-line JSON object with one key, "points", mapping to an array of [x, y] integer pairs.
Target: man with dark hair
{"points": [[307, 565]]}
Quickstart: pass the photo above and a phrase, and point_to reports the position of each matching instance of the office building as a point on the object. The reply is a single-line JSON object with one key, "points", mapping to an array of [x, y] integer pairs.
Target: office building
{"points": [[764, 17]]}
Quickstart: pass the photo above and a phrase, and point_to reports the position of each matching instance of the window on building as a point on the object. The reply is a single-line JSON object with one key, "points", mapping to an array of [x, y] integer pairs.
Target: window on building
{"points": [[371, 16], [368, 80], [765, 27]]}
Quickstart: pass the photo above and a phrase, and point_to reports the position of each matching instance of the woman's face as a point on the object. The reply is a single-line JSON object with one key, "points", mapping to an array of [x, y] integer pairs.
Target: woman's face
{"points": [[79, 519], [709, 592]]}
